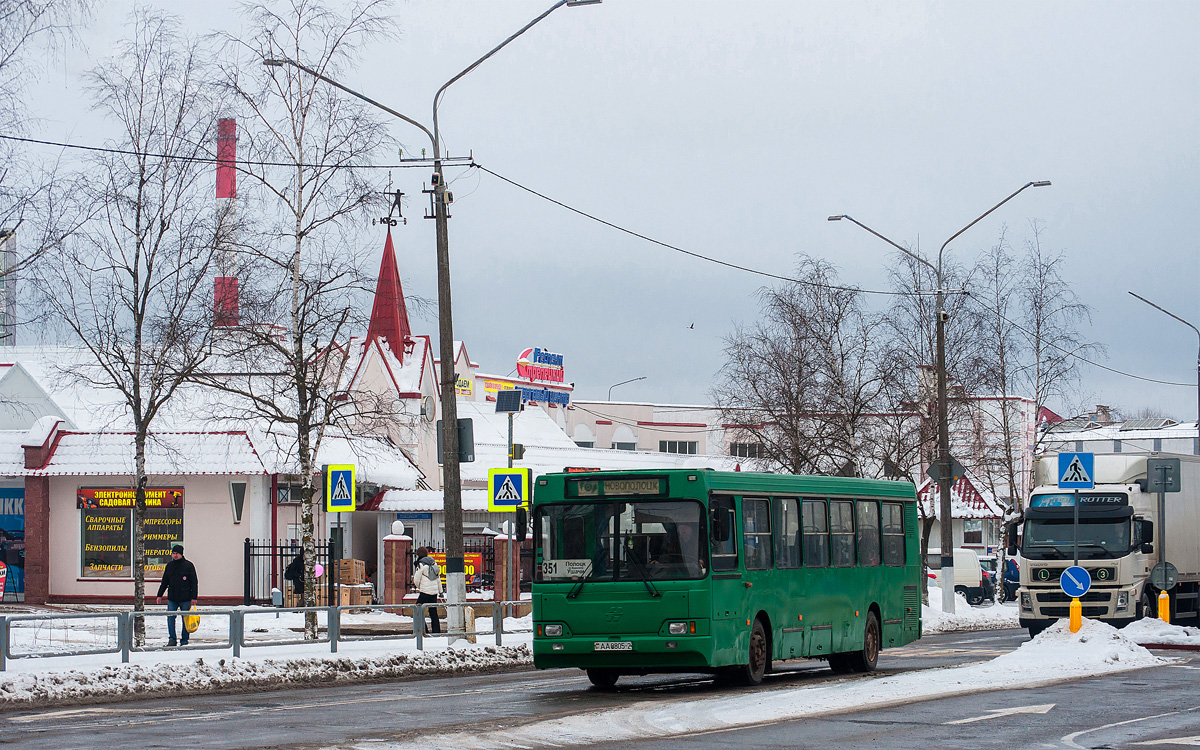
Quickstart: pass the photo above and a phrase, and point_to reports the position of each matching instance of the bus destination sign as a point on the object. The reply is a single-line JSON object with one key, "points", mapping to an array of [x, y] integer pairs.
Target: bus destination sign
{"points": [[615, 487]]}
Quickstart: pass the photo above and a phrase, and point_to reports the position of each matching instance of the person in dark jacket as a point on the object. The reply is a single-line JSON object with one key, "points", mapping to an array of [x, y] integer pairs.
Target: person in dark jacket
{"points": [[295, 573], [179, 583]]}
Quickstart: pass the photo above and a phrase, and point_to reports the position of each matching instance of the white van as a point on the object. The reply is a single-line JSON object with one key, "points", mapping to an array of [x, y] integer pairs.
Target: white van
{"points": [[968, 576]]}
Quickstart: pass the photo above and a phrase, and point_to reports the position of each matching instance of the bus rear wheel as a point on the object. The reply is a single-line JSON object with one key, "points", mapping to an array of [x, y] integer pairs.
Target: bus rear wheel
{"points": [[758, 657], [604, 679], [866, 659]]}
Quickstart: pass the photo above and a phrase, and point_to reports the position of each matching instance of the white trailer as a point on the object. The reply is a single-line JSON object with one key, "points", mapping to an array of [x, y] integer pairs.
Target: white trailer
{"points": [[1121, 538]]}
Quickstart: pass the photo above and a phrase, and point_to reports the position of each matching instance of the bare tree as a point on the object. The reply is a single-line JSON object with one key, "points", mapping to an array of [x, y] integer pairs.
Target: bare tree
{"points": [[805, 379], [29, 196], [301, 271], [130, 285]]}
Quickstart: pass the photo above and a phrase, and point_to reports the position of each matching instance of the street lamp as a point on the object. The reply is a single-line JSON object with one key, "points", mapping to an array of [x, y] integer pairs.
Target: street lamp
{"points": [[456, 589], [623, 382], [946, 526], [1197, 330]]}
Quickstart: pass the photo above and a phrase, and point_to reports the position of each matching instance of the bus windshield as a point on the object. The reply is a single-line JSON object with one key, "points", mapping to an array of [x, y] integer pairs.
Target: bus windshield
{"points": [[621, 540], [1054, 538]]}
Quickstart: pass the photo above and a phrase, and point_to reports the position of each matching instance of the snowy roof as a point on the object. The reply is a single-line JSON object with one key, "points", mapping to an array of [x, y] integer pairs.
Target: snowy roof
{"points": [[167, 454], [12, 454], [427, 501], [966, 499], [375, 460], [1119, 431]]}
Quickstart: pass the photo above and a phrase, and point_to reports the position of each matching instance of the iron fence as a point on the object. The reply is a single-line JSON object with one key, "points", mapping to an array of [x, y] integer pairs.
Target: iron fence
{"points": [[265, 562]]}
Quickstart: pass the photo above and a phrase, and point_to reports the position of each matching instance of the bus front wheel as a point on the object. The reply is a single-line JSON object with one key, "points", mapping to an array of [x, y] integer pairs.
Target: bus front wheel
{"points": [[604, 679], [758, 658]]}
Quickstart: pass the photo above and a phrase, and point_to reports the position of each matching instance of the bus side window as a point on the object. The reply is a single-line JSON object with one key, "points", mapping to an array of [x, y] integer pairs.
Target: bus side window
{"points": [[893, 534], [868, 533], [787, 532], [841, 533], [723, 545], [756, 532], [815, 525]]}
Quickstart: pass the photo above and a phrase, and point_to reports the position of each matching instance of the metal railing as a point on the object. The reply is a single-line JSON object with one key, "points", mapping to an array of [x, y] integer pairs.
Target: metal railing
{"points": [[236, 631]]}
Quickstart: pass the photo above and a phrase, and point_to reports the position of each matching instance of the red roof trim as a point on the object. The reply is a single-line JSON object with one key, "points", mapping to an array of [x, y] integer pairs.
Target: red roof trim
{"points": [[671, 424], [603, 421]]}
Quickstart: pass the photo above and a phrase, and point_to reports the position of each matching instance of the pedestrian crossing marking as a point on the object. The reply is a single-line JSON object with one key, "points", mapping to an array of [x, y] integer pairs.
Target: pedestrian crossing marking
{"points": [[1075, 472], [339, 488], [507, 492], [341, 492], [509, 489]]}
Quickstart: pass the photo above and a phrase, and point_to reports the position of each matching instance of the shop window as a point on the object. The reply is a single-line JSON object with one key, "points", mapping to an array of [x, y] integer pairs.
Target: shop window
{"points": [[106, 526], [624, 446]]}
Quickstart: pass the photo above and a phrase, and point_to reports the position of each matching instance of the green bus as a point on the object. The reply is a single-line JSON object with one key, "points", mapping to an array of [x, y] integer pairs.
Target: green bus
{"points": [[695, 570]]}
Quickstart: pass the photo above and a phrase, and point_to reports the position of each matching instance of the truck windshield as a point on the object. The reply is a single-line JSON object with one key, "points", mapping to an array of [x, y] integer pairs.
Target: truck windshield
{"points": [[1053, 538], [614, 540]]}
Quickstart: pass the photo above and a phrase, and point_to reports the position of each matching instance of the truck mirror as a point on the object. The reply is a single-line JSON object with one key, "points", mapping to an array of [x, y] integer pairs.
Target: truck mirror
{"points": [[1012, 539], [1147, 534]]}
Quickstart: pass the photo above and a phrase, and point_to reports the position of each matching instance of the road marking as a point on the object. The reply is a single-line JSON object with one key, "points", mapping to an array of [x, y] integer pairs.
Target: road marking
{"points": [[1069, 740], [997, 712], [81, 712]]}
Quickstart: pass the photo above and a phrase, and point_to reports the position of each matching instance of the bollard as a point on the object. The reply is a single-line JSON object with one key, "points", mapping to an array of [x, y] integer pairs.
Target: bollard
{"points": [[1076, 615], [237, 626], [1164, 607], [124, 634], [498, 622], [333, 626], [419, 623]]}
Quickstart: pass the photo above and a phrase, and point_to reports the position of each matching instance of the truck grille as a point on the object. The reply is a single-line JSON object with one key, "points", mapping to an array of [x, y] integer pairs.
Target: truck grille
{"points": [[1058, 596], [1066, 611]]}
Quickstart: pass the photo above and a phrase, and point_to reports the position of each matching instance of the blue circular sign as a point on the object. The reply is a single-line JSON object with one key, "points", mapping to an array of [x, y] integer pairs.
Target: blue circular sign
{"points": [[1075, 581]]}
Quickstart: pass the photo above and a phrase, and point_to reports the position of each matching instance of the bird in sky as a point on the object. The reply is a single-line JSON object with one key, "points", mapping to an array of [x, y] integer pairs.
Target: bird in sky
{"points": [[693, 325]]}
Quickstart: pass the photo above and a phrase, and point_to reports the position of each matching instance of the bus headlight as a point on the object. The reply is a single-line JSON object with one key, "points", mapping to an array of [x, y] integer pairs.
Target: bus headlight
{"points": [[677, 628], [552, 631], [1123, 600], [1026, 601]]}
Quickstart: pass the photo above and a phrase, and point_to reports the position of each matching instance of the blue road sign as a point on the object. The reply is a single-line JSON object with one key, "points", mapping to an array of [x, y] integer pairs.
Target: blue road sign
{"points": [[1075, 581], [1076, 471]]}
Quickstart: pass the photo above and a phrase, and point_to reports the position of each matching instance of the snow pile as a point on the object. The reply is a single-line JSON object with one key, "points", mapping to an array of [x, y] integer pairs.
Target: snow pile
{"points": [[1157, 632], [1053, 656], [215, 674], [965, 617]]}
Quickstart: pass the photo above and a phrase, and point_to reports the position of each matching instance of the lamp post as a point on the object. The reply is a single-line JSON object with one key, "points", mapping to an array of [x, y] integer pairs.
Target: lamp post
{"points": [[456, 590], [1197, 330], [623, 382], [946, 525]]}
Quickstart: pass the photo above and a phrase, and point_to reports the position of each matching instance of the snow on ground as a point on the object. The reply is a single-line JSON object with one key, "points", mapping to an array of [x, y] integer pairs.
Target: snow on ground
{"points": [[990, 616], [1055, 655], [1157, 632]]}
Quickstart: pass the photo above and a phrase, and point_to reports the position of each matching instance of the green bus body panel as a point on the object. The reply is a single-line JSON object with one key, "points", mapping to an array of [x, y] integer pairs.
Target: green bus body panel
{"points": [[810, 612]]}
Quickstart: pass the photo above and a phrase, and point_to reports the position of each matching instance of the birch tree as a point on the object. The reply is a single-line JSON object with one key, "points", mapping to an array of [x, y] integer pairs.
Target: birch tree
{"points": [[307, 147], [132, 284]]}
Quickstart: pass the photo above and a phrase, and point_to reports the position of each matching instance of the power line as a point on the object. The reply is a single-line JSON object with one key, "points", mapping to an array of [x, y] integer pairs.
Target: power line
{"points": [[465, 161], [677, 249]]}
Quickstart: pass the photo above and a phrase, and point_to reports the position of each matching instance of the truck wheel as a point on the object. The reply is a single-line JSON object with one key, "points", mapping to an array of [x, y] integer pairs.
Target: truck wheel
{"points": [[1146, 606], [604, 679], [866, 659], [1035, 629]]}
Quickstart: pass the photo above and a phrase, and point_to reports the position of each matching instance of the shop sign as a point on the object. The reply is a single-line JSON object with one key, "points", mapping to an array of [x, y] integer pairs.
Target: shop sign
{"points": [[122, 497], [497, 385], [544, 395], [464, 386], [539, 364], [472, 564]]}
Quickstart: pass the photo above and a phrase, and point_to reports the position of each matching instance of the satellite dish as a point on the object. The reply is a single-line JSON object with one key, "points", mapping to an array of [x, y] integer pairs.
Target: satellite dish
{"points": [[429, 408]]}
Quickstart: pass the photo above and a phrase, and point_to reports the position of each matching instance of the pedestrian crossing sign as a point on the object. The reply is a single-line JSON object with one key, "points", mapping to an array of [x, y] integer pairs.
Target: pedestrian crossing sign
{"points": [[508, 489], [339, 488], [1076, 471]]}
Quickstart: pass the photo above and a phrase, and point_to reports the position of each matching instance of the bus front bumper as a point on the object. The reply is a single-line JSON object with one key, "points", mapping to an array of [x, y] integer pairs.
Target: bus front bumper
{"points": [[646, 653]]}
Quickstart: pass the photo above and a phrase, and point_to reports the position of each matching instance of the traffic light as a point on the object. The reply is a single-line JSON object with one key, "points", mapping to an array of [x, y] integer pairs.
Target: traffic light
{"points": [[518, 452]]}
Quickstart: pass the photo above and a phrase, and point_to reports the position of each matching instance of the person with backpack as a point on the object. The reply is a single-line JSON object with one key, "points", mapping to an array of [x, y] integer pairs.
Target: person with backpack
{"points": [[179, 583], [427, 580], [295, 573]]}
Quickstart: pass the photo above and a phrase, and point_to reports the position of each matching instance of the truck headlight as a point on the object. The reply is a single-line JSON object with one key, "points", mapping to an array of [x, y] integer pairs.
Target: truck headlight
{"points": [[552, 631], [1123, 600], [677, 628], [1026, 601]]}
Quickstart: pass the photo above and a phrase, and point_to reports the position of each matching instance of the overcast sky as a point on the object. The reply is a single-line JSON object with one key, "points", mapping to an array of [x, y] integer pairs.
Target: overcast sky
{"points": [[734, 129]]}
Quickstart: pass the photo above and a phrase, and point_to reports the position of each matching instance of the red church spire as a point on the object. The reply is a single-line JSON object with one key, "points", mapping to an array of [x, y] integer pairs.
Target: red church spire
{"points": [[389, 315]]}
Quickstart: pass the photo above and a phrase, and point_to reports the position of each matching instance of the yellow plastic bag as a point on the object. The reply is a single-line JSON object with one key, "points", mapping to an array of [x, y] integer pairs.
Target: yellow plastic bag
{"points": [[191, 622]]}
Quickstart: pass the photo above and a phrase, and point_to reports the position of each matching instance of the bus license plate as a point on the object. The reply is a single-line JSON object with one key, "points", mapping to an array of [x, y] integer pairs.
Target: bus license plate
{"points": [[614, 646]]}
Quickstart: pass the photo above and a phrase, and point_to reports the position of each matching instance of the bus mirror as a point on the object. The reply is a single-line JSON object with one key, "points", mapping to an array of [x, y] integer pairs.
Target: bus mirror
{"points": [[522, 522]]}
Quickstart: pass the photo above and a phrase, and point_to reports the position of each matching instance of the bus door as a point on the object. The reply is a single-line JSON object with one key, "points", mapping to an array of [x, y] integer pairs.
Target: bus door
{"points": [[729, 593]]}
